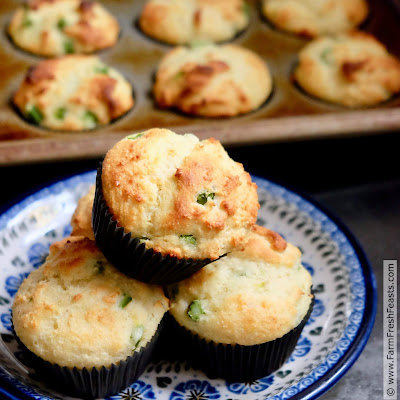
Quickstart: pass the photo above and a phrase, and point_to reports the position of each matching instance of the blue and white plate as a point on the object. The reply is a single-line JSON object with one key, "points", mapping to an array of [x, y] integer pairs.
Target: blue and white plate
{"points": [[333, 338]]}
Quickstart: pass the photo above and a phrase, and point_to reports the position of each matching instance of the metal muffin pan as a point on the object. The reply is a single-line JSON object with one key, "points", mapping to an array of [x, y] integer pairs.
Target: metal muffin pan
{"points": [[289, 114]]}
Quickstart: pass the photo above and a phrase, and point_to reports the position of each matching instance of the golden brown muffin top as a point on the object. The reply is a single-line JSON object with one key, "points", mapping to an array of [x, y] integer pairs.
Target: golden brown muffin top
{"points": [[312, 18], [57, 27], [81, 220], [77, 310], [181, 196], [352, 69], [212, 81], [184, 21], [73, 93], [248, 297]]}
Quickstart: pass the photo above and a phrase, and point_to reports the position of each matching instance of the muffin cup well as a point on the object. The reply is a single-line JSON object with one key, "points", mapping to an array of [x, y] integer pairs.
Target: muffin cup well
{"points": [[129, 255], [92, 383], [236, 363]]}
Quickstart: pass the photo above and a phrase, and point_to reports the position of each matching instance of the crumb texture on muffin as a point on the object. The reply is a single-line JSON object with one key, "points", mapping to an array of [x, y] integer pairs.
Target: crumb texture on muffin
{"points": [[352, 69], [249, 297], [77, 310], [212, 81], [184, 21], [81, 220], [57, 27], [73, 92], [181, 196], [312, 18]]}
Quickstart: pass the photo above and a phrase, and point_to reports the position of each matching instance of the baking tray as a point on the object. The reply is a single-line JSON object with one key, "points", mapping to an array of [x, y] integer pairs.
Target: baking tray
{"points": [[289, 114]]}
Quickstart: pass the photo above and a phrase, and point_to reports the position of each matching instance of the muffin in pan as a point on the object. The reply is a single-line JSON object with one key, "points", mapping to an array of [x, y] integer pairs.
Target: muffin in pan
{"points": [[168, 204], [183, 21], [240, 317], [352, 69], [56, 27], [212, 80], [73, 93], [86, 327], [81, 220], [312, 18]]}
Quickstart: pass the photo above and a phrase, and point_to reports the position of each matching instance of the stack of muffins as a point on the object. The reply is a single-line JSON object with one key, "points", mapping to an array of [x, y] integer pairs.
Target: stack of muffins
{"points": [[175, 214]]}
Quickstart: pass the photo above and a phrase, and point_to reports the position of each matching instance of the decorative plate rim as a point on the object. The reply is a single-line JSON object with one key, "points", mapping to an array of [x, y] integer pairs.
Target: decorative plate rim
{"points": [[333, 375], [323, 382]]}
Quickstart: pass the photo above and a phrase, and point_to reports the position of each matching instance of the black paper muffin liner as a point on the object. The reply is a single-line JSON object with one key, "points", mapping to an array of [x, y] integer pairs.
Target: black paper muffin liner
{"points": [[92, 383], [129, 255], [235, 363]]}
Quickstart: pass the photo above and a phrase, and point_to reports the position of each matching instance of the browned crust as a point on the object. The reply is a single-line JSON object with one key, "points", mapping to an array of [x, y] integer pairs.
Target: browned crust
{"points": [[385, 70], [196, 173], [38, 73], [213, 81], [36, 82], [103, 89], [197, 17], [69, 246], [36, 4], [81, 220], [266, 245], [349, 69], [195, 78], [86, 6], [84, 32], [278, 243]]}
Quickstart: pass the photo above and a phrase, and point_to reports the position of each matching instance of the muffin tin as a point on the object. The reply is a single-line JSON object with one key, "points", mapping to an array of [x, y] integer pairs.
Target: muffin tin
{"points": [[289, 114]]}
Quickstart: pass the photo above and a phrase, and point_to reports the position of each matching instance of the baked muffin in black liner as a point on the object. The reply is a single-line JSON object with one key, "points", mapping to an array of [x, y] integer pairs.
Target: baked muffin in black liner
{"points": [[241, 317], [93, 383], [84, 327], [186, 200], [130, 255], [234, 363]]}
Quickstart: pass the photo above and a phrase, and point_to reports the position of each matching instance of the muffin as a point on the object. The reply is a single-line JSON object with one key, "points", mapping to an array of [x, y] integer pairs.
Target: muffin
{"points": [[184, 21], [315, 18], [212, 81], [182, 201], [240, 317], [352, 69], [56, 27], [81, 220], [73, 93], [87, 327]]}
